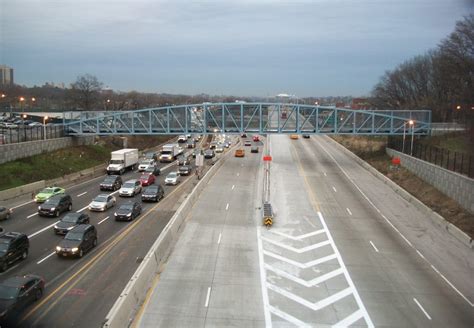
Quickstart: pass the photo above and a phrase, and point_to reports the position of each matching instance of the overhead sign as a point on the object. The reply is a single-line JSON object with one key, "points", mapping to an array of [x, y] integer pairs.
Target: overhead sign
{"points": [[199, 160], [267, 158]]}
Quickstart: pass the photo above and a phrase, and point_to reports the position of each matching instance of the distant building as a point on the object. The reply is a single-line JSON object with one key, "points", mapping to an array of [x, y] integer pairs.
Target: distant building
{"points": [[360, 103], [6, 76]]}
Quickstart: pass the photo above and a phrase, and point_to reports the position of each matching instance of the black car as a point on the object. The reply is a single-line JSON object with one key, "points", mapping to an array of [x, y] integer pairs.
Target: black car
{"points": [[191, 144], [306, 136], [69, 221], [55, 205], [111, 182], [184, 170], [254, 149], [244, 135], [78, 241], [16, 293], [13, 246], [153, 193], [183, 160], [128, 212], [153, 169], [209, 153]]}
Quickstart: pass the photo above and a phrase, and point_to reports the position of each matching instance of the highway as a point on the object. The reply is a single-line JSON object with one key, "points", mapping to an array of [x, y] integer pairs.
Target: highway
{"points": [[345, 250], [80, 292]]}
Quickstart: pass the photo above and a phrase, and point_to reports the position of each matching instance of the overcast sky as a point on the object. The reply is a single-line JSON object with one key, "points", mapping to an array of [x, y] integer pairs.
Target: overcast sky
{"points": [[231, 47]]}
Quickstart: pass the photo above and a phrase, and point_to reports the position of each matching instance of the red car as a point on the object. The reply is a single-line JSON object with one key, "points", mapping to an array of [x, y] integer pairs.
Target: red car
{"points": [[147, 179], [256, 138]]}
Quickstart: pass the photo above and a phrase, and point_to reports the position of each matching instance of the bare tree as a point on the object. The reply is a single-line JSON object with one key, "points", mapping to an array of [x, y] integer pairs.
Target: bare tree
{"points": [[85, 91]]}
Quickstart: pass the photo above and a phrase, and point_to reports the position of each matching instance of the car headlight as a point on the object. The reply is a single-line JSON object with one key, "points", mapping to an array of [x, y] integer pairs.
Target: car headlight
{"points": [[129, 214], [75, 249], [39, 207], [58, 248], [115, 213], [55, 227], [53, 208]]}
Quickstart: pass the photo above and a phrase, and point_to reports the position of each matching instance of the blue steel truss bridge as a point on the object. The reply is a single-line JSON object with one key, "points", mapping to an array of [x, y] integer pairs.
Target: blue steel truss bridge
{"points": [[236, 118]]}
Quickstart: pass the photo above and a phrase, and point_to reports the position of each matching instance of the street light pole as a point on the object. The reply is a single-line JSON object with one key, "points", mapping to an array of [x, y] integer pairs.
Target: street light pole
{"points": [[44, 127], [412, 124], [404, 128]]}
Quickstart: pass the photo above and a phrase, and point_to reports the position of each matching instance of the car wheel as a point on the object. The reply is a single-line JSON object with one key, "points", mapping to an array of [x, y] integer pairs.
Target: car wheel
{"points": [[4, 267], [69, 208], [81, 253], [56, 213], [38, 293], [24, 255]]}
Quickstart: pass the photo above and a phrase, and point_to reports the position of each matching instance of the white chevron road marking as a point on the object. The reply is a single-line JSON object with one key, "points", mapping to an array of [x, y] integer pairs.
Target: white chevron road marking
{"points": [[306, 283], [297, 250], [299, 264], [314, 233], [349, 320], [287, 317]]}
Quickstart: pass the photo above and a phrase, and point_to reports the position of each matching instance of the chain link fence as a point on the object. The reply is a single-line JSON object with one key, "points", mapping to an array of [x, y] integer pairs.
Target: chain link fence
{"points": [[30, 133]]}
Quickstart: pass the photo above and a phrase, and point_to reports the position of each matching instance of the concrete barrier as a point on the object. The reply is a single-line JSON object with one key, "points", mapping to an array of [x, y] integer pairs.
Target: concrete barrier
{"points": [[22, 190], [437, 219], [133, 295]]}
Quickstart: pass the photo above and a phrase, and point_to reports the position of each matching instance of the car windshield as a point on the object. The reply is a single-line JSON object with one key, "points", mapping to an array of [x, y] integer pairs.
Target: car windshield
{"points": [[47, 191], [145, 177], [70, 218], [110, 179], [116, 161], [53, 201], [100, 199], [151, 190], [126, 207], [74, 236], [145, 161], [128, 184], [172, 175], [8, 292], [3, 247]]}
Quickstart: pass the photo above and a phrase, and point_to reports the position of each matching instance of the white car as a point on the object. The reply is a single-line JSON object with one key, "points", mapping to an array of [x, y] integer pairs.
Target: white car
{"points": [[182, 138], [219, 149], [35, 124], [172, 178], [102, 202], [130, 188], [144, 164], [9, 125]]}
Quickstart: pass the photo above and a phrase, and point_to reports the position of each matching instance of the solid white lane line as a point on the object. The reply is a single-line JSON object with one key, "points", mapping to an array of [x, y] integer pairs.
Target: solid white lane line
{"points": [[421, 255], [31, 201], [82, 209], [82, 194], [422, 309], [227, 207], [452, 286], [219, 240], [45, 258], [371, 243], [349, 211], [102, 220], [233, 186], [334, 188], [207, 297], [31, 215], [40, 231]]}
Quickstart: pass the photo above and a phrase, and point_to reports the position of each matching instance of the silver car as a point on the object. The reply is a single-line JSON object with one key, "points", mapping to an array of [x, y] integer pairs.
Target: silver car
{"points": [[145, 163], [172, 178], [102, 202], [130, 188], [5, 213]]}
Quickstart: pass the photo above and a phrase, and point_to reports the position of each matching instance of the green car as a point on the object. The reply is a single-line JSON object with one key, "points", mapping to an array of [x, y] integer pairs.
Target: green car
{"points": [[47, 193]]}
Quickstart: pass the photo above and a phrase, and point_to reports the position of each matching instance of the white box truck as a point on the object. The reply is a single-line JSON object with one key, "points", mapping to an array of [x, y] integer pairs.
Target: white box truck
{"points": [[169, 152], [122, 160]]}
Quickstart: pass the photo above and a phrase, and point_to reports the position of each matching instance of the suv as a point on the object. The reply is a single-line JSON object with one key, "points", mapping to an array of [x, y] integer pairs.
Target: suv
{"points": [[153, 193], [183, 160], [184, 170], [79, 240], [55, 205], [13, 246], [130, 188], [111, 182]]}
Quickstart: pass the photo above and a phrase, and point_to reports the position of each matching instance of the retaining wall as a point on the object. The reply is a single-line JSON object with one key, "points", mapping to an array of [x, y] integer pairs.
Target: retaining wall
{"points": [[11, 152], [134, 293], [454, 185]]}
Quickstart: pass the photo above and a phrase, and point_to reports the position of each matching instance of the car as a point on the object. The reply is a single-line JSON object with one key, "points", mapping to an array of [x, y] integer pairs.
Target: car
{"points": [[191, 144], [306, 136], [213, 145], [151, 155], [184, 170], [182, 139], [209, 153], [220, 149], [283, 115], [102, 202], [294, 136], [153, 193], [147, 179], [248, 143], [16, 293], [35, 124], [13, 246], [69, 221], [144, 163], [227, 144], [197, 137], [256, 138], [153, 169], [9, 125], [111, 182], [128, 211], [172, 178], [239, 153], [130, 188], [5, 213], [55, 205], [254, 149], [47, 193], [79, 240], [244, 135], [183, 160]]}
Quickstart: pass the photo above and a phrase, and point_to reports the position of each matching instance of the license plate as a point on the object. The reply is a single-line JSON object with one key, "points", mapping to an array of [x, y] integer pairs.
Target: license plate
{"points": [[64, 254]]}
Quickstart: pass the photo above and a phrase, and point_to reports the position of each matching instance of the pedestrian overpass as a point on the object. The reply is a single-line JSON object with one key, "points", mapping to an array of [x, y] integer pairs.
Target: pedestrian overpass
{"points": [[261, 118]]}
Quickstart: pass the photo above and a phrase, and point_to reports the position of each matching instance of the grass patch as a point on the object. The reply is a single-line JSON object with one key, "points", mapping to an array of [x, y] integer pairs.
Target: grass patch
{"points": [[51, 165]]}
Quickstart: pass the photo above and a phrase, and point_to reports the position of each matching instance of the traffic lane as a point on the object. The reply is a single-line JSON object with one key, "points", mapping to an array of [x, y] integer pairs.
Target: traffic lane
{"points": [[110, 275], [382, 265]]}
